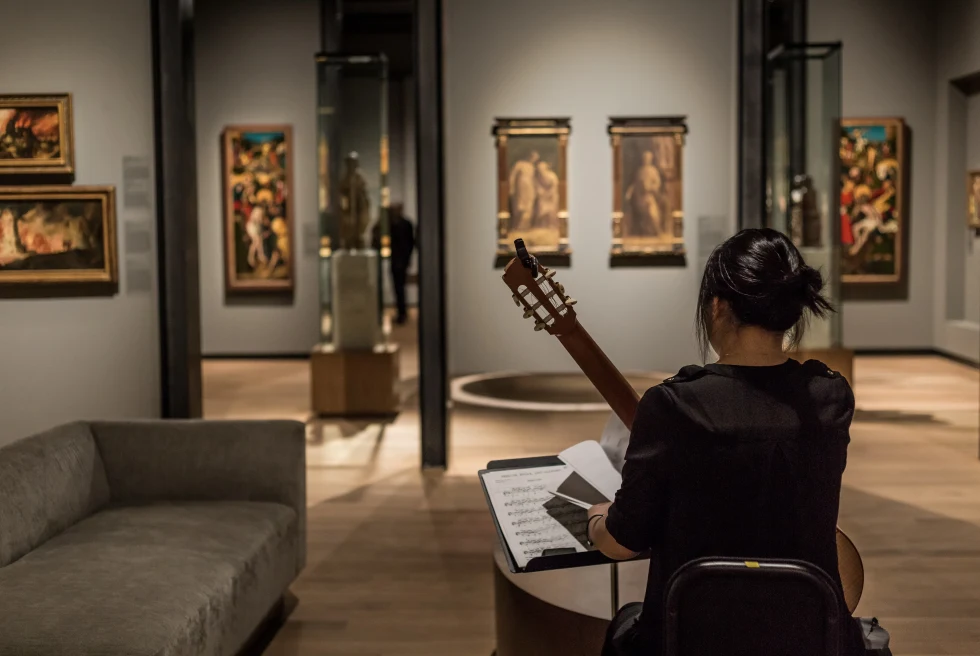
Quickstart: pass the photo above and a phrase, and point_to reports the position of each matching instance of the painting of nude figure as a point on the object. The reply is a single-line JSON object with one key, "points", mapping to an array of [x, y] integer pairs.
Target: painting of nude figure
{"points": [[532, 185], [648, 214], [258, 208]]}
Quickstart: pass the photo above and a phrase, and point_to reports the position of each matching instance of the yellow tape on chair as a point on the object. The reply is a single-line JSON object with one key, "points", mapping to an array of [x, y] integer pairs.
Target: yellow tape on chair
{"points": [[751, 563]]}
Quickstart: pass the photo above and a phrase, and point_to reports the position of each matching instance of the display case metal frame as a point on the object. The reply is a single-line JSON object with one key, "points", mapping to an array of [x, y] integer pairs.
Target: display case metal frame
{"points": [[331, 68], [804, 147]]}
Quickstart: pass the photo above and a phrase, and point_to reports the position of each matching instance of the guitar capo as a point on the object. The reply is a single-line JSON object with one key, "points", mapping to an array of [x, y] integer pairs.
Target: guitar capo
{"points": [[528, 260]]}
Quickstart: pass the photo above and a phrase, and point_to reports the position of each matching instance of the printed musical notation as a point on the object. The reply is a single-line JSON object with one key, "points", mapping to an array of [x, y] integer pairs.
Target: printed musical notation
{"points": [[531, 518]]}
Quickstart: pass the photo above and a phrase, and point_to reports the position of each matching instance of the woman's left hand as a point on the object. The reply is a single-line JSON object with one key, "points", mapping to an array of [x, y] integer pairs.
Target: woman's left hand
{"points": [[599, 509]]}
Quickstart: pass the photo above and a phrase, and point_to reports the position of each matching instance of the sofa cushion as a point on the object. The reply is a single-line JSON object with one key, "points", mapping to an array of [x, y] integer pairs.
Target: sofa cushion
{"points": [[48, 482], [160, 580]]}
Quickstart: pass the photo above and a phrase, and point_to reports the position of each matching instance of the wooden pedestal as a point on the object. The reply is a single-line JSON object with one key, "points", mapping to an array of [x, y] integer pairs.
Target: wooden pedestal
{"points": [[354, 383], [838, 359]]}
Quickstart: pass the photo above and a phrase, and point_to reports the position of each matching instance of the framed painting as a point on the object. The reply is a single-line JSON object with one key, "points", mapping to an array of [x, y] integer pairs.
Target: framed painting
{"points": [[874, 202], [648, 191], [532, 188], [57, 235], [973, 199], [36, 136], [258, 208]]}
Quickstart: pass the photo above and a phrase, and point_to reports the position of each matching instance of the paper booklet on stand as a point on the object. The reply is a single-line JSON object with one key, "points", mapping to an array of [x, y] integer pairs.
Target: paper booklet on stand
{"points": [[593, 478], [540, 505]]}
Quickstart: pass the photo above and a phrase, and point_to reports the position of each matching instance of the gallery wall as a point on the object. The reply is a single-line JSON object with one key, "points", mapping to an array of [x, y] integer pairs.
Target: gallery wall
{"points": [[588, 61], [957, 261], [255, 65], [889, 71], [68, 358]]}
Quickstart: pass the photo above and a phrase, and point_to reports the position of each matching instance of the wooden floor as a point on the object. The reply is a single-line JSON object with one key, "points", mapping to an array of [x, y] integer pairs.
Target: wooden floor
{"points": [[399, 560]]}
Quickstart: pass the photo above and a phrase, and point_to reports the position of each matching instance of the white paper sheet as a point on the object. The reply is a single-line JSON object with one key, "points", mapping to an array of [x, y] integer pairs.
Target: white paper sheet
{"points": [[590, 461], [518, 497], [615, 438]]}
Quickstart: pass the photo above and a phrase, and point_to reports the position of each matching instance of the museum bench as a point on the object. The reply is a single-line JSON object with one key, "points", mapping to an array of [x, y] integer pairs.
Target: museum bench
{"points": [[149, 537]]}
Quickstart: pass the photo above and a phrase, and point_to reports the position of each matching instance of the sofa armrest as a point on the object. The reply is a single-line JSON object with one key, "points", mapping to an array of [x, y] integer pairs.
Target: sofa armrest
{"points": [[195, 460]]}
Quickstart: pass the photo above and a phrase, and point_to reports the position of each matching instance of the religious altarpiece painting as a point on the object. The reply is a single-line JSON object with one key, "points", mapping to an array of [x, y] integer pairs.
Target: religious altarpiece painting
{"points": [[36, 136], [532, 188], [60, 235], [257, 176], [874, 172], [973, 200], [648, 191]]}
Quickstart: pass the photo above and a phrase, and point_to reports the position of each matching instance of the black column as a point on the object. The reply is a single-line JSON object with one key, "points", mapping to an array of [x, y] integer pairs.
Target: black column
{"points": [[331, 25], [751, 113], [433, 374], [176, 208]]}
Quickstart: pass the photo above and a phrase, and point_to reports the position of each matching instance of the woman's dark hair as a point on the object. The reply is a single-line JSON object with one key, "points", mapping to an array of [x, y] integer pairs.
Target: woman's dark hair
{"points": [[763, 277]]}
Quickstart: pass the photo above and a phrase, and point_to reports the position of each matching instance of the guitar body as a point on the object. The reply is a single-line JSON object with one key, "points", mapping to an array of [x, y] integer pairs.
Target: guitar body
{"points": [[545, 300]]}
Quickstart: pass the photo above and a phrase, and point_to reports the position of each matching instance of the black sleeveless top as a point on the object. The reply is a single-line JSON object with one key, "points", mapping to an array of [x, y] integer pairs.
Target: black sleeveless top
{"points": [[735, 461]]}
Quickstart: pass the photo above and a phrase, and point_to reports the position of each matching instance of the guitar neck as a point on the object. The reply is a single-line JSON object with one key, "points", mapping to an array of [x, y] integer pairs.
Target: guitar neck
{"points": [[603, 374]]}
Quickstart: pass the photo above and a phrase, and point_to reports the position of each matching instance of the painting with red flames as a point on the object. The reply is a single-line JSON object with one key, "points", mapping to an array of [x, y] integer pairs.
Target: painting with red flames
{"points": [[57, 234], [36, 135]]}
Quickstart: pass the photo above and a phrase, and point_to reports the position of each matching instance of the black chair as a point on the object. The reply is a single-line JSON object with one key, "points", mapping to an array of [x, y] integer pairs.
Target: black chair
{"points": [[726, 607]]}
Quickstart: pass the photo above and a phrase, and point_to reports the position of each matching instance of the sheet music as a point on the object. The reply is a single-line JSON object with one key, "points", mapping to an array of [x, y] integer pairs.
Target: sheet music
{"points": [[531, 518]]}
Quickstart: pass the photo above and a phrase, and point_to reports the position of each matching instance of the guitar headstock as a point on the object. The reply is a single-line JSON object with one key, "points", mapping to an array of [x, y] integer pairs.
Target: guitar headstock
{"points": [[535, 289]]}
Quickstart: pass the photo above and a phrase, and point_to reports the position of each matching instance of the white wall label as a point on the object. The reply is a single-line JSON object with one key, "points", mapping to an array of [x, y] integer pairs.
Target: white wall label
{"points": [[311, 240], [137, 186]]}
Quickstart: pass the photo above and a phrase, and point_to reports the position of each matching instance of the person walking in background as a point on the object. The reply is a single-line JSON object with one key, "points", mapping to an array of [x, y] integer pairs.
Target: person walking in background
{"points": [[402, 244]]}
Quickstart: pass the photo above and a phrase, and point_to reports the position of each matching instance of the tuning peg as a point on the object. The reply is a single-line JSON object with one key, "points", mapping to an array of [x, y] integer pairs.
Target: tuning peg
{"points": [[560, 287], [517, 300], [570, 301], [540, 325], [549, 275], [528, 314]]}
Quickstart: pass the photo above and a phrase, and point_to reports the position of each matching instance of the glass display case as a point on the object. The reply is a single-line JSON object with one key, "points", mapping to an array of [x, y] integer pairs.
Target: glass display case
{"points": [[803, 132], [352, 171]]}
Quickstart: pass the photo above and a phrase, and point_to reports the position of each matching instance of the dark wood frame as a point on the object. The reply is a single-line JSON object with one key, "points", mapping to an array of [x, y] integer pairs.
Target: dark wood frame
{"points": [[620, 254], [63, 167], [897, 280], [971, 221], [108, 274], [232, 286], [503, 129]]}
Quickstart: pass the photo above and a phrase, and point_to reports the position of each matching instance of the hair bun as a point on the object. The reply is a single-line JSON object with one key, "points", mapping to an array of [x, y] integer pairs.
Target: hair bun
{"points": [[763, 278], [810, 279]]}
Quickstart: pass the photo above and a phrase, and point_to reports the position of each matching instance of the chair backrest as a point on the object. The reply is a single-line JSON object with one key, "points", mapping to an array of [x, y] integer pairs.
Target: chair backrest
{"points": [[726, 607]]}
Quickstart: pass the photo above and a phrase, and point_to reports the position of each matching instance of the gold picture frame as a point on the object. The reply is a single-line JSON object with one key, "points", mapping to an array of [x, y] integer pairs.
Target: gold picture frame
{"points": [[532, 188], [36, 136], [257, 180], [874, 171], [973, 199], [648, 190], [57, 235]]}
